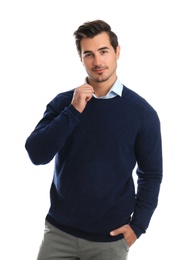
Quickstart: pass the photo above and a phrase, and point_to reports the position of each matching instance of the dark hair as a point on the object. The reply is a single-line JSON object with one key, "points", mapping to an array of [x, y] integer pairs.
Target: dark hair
{"points": [[93, 28]]}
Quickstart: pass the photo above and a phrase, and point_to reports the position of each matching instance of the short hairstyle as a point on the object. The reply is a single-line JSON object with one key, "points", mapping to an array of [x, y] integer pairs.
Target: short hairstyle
{"points": [[91, 29]]}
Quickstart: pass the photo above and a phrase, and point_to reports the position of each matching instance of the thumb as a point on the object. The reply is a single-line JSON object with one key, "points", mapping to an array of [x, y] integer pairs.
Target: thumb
{"points": [[116, 232]]}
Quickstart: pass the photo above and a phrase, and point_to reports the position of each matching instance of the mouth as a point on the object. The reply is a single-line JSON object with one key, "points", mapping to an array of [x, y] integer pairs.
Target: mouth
{"points": [[99, 70]]}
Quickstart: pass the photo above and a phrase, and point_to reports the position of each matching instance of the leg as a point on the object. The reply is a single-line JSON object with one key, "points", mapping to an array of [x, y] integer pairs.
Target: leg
{"points": [[57, 245], [89, 250]]}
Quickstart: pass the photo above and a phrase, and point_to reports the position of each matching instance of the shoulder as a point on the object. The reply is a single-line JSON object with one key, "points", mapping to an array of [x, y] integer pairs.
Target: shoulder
{"points": [[134, 97], [61, 100], [135, 100], [140, 107], [64, 96]]}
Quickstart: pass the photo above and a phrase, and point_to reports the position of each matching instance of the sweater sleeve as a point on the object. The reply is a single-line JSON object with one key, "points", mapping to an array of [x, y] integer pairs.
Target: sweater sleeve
{"points": [[149, 171], [51, 132]]}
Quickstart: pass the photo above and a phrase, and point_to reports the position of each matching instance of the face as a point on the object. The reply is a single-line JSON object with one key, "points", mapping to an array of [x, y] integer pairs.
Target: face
{"points": [[99, 58]]}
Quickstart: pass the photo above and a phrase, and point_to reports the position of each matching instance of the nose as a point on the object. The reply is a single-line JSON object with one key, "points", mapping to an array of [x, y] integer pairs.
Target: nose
{"points": [[97, 60]]}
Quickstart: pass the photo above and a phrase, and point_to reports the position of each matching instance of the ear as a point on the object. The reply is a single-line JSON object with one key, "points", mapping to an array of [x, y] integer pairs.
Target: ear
{"points": [[82, 61], [118, 51]]}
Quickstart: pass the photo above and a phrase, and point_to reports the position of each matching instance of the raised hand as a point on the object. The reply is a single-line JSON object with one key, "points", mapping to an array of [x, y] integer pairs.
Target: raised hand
{"points": [[81, 96]]}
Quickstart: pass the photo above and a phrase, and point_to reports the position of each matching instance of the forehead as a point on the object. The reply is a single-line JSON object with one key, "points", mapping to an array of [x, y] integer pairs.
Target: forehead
{"points": [[99, 41]]}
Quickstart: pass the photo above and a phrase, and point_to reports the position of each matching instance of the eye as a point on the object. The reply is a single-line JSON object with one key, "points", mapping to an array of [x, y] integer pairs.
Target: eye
{"points": [[87, 54], [104, 52]]}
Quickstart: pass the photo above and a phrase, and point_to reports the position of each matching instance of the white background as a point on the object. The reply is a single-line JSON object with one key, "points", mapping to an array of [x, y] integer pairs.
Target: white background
{"points": [[38, 59]]}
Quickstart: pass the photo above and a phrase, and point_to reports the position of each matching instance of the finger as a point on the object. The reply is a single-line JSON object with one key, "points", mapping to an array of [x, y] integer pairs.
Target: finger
{"points": [[87, 87], [116, 232]]}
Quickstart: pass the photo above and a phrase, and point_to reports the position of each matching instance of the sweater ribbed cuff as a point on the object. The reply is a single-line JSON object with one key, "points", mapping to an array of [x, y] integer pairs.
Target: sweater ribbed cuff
{"points": [[74, 111], [137, 230]]}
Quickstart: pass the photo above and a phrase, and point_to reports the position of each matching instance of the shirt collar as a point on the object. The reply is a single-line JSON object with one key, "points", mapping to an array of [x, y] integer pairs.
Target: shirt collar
{"points": [[116, 90]]}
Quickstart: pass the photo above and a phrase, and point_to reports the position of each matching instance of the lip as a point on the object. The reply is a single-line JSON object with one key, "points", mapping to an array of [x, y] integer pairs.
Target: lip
{"points": [[99, 71]]}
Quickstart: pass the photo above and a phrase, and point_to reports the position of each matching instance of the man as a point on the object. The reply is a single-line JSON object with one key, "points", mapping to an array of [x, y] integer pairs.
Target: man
{"points": [[97, 133]]}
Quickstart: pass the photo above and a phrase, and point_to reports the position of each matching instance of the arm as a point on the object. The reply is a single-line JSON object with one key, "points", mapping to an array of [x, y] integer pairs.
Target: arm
{"points": [[149, 158], [51, 133], [59, 120], [149, 172]]}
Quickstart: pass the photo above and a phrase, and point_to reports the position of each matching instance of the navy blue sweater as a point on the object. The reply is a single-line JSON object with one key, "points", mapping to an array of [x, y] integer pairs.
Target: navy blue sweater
{"points": [[92, 191]]}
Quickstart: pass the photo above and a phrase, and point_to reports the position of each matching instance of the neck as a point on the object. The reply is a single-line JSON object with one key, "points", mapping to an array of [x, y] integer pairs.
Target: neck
{"points": [[101, 88]]}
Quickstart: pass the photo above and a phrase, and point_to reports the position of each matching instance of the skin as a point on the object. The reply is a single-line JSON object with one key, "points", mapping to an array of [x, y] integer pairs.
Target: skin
{"points": [[100, 62]]}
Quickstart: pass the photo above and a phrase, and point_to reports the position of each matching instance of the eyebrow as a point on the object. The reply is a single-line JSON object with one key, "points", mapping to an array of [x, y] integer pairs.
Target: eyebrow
{"points": [[100, 49]]}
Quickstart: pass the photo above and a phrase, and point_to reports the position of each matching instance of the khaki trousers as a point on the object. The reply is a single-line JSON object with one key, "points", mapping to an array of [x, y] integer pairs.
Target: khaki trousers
{"points": [[57, 245]]}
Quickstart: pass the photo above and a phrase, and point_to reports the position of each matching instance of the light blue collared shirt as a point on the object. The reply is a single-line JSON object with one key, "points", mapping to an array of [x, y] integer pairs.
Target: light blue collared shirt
{"points": [[116, 90]]}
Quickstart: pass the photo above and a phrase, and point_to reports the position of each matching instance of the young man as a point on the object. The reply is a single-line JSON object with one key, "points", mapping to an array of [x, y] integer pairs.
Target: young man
{"points": [[97, 133]]}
